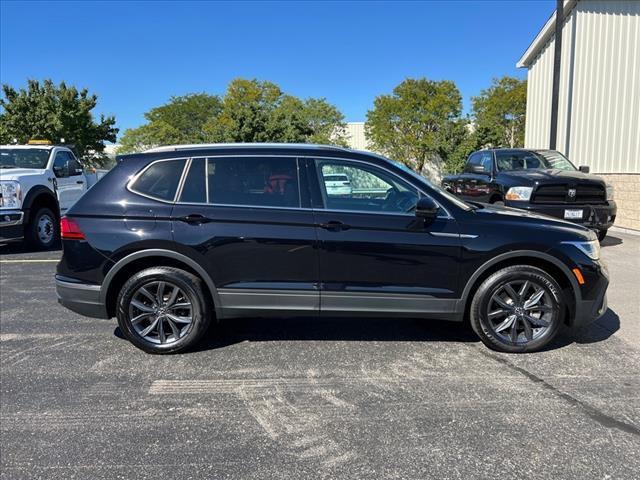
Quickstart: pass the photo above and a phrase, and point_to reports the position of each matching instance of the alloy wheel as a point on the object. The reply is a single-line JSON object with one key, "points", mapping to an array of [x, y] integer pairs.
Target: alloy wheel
{"points": [[521, 311], [160, 312]]}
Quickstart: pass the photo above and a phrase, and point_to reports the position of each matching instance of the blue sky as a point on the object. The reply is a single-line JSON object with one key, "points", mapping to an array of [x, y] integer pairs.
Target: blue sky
{"points": [[135, 55]]}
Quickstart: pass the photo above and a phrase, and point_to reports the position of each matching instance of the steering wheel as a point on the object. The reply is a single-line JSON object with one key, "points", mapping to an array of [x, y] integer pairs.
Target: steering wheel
{"points": [[397, 201]]}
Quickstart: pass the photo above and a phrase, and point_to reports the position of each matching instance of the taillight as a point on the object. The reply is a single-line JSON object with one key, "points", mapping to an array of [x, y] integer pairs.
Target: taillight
{"points": [[69, 229]]}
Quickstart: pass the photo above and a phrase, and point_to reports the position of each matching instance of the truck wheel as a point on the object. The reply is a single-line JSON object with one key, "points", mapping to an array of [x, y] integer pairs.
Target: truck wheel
{"points": [[602, 234], [42, 230]]}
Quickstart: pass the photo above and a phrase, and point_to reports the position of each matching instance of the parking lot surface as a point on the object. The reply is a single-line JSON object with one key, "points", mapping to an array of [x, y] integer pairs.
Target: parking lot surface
{"points": [[330, 398]]}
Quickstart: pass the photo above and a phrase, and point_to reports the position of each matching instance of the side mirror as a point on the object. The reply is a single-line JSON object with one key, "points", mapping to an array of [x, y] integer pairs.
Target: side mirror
{"points": [[584, 168], [427, 208], [59, 172], [479, 169]]}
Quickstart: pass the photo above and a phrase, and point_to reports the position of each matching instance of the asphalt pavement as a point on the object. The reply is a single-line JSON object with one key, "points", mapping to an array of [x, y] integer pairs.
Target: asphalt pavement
{"points": [[298, 399]]}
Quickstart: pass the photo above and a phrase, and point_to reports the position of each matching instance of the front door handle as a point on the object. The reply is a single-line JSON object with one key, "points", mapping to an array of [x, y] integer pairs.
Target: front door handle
{"points": [[79, 182], [334, 226], [195, 219]]}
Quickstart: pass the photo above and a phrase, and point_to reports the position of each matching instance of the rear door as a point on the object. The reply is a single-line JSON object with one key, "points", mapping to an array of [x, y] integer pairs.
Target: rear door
{"points": [[69, 178], [376, 256], [249, 222]]}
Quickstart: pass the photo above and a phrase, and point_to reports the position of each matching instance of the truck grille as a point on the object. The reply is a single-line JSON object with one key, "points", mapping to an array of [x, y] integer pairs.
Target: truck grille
{"points": [[560, 194]]}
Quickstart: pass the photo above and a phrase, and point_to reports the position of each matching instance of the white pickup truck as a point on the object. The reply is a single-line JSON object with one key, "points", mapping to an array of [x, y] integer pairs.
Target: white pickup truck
{"points": [[38, 183]]}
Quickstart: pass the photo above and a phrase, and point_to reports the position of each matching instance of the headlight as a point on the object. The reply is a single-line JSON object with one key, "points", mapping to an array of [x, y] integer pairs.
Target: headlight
{"points": [[10, 194], [519, 193], [591, 249], [609, 192]]}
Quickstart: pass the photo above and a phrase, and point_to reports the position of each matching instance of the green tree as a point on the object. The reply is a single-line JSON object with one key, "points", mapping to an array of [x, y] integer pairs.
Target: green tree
{"points": [[54, 112], [499, 113], [181, 120], [249, 111], [418, 122]]}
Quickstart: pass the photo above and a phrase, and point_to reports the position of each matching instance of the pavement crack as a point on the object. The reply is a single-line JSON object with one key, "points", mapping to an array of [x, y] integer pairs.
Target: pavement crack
{"points": [[592, 412]]}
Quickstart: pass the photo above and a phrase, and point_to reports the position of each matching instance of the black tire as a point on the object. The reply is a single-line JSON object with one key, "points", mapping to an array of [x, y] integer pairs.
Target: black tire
{"points": [[191, 289], [494, 289], [602, 234], [39, 236]]}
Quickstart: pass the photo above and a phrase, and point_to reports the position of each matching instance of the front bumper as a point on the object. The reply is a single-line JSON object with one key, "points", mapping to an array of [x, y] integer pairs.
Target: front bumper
{"points": [[596, 217], [82, 298], [593, 303], [11, 227]]}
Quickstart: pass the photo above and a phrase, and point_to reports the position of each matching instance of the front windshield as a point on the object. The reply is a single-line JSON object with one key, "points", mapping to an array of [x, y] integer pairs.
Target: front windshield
{"points": [[448, 195], [540, 160], [23, 157]]}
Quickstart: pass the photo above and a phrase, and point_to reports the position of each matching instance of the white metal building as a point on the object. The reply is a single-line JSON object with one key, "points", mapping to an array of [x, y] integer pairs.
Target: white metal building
{"points": [[599, 97]]}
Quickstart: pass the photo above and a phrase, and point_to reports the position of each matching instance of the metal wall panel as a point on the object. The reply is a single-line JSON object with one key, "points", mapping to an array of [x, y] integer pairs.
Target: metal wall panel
{"points": [[599, 102]]}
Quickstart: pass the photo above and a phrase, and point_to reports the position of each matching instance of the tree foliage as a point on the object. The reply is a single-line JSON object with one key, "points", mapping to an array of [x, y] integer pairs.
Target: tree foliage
{"points": [[499, 113], [419, 121], [249, 111], [54, 112]]}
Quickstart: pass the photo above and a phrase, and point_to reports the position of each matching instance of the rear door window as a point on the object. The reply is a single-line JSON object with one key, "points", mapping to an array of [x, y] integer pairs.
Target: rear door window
{"points": [[160, 180]]}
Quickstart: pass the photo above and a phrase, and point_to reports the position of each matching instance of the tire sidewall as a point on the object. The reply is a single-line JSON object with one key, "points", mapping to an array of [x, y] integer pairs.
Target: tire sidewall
{"points": [[481, 324], [188, 284]]}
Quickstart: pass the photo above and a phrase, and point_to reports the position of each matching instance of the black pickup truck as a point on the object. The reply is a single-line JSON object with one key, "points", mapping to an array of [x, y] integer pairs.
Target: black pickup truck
{"points": [[542, 181]]}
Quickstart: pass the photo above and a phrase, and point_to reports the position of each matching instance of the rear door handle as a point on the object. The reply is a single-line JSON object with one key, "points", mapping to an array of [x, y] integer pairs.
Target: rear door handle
{"points": [[334, 226], [79, 182], [195, 219]]}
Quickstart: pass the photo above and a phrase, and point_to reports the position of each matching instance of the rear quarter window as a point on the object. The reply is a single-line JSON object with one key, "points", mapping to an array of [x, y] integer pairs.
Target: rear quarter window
{"points": [[160, 180]]}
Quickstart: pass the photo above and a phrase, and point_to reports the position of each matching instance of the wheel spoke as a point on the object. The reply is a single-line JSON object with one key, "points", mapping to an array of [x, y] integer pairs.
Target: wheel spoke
{"points": [[161, 336], [502, 303], [528, 332], [160, 293], [523, 290], [174, 328], [173, 296], [534, 299], [541, 308], [180, 305], [497, 313], [511, 292], [147, 330], [178, 319], [142, 316], [514, 330], [141, 306], [505, 324], [147, 294], [536, 322]]}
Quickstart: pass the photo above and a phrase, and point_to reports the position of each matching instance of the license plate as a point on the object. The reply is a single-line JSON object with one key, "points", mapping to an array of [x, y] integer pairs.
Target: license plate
{"points": [[573, 214]]}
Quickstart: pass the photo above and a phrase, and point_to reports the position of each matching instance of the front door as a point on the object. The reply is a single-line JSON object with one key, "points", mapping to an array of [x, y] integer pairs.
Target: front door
{"points": [[376, 256], [69, 178], [245, 219]]}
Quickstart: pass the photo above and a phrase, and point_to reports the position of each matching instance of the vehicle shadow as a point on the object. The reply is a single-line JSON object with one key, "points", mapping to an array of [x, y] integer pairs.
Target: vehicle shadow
{"points": [[15, 248], [238, 330], [598, 331], [610, 241]]}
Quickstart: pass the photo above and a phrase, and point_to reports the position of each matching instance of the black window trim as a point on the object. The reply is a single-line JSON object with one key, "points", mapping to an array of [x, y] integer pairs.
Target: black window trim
{"points": [[132, 182], [312, 157]]}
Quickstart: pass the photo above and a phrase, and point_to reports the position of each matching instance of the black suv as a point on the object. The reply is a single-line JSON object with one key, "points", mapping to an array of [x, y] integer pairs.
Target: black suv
{"points": [[174, 238], [542, 181]]}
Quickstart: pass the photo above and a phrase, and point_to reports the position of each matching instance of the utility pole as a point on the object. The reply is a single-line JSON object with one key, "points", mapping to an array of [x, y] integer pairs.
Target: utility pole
{"points": [[557, 56]]}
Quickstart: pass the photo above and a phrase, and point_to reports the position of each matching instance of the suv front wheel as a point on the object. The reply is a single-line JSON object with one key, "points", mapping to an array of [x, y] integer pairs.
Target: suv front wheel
{"points": [[163, 310], [517, 309]]}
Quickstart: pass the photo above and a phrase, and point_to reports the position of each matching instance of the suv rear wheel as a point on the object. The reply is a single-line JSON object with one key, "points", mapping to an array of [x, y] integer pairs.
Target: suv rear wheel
{"points": [[163, 310], [517, 309]]}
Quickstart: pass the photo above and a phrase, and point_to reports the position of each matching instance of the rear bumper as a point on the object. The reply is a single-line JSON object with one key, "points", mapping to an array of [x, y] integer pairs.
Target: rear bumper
{"points": [[82, 298], [11, 225], [596, 217]]}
